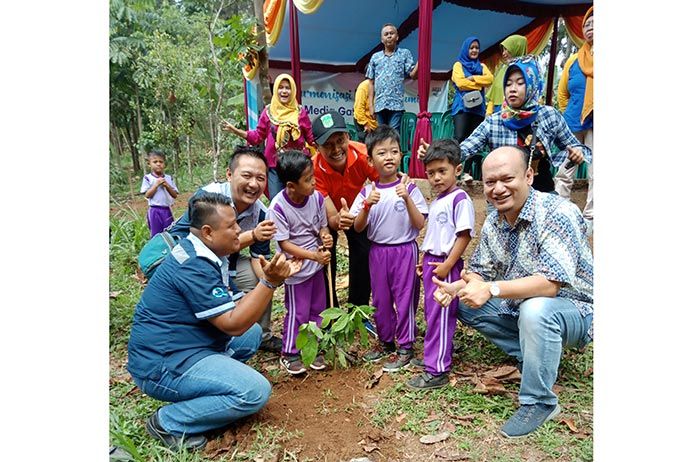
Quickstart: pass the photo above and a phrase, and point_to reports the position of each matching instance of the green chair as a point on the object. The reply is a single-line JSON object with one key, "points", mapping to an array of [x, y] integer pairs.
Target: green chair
{"points": [[582, 172], [352, 131], [408, 129], [435, 119], [447, 126], [404, 163]]}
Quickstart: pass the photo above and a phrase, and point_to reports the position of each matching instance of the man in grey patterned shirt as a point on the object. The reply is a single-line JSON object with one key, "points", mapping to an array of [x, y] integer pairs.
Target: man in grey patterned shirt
{"points": [[529, 286]]}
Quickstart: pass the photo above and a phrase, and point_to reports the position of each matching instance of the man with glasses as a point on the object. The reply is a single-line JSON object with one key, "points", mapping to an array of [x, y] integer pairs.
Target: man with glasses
{"points": [[529, 284]]}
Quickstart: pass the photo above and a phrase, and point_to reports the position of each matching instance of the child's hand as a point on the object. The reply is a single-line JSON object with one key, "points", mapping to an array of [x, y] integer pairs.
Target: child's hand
{"points": [[419, 270], [422, 149], [374, 195], [327, 240], [402, 189], [322, 256], [440, 270], [160, 181]]}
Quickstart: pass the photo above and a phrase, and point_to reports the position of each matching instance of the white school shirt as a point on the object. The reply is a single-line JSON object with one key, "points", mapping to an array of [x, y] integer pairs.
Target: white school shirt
{"points": [[449, 214], [161, 197], [299, 224], [388, 221]]}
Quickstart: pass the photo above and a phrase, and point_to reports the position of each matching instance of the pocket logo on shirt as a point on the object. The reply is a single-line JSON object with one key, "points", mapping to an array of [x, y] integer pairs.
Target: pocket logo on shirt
{"points": [[442, 218], [218, 292], [400, 206]]}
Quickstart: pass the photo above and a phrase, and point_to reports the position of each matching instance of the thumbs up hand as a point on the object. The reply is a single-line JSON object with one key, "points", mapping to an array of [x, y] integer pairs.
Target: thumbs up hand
{"points": [[422, 149], [374, 195], [402, 188], [346, 218]]}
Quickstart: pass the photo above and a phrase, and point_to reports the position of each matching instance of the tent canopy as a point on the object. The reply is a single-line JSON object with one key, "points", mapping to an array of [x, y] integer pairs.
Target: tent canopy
{"points": [[342, 35]]}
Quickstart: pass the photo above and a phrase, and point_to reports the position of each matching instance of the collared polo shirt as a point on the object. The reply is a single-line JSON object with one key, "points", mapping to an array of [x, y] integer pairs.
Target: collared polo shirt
{"points": [[247, 219], [548, 238], [170, 329], [335, 185]]}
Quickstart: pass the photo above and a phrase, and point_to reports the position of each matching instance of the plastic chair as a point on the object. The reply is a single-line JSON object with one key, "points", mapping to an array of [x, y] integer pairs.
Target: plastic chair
{"points": [[352, 131], [447, 126], [435, 127], [582, 172], [408, 128], [405, 162]]}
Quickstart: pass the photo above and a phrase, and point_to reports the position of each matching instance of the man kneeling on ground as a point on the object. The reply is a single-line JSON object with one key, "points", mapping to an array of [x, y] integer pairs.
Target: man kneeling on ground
{"points": [[188, 344], [529, 286]]}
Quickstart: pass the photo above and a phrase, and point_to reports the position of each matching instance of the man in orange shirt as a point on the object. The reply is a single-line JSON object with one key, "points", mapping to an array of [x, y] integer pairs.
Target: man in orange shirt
{"points": [[341, 169]]}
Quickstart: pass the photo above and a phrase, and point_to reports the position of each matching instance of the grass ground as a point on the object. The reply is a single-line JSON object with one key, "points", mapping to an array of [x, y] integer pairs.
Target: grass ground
{"points": [[341, 414]]}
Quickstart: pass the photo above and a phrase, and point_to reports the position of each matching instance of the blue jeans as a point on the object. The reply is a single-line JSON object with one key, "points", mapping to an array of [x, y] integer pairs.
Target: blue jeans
{"points": [[274, 184], [536, 338], [391, 118], [214, 392]]}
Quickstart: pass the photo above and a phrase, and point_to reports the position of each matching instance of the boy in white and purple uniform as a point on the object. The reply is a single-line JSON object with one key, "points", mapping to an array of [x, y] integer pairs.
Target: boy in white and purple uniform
{"points": [[394, 211], [160, 191], [450, 228], [299, 213]]}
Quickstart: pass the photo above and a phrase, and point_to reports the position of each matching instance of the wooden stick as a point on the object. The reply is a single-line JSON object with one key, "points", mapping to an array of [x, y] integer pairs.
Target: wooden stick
{"points": [[330, 286]]}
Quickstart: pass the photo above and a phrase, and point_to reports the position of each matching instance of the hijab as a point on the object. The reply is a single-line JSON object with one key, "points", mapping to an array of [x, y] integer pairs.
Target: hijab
{"points": [[513, 118], [585, 62], [516, 46], [285, 116], [469, 66]]}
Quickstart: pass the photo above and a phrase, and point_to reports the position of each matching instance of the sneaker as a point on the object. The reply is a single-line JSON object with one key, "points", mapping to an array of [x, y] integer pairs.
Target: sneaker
{"points": [[174, 442], [398, 361], [528, 419], [426, 381], [273, 344], [371, 330], [319, 363], [417, 363], [292, 364], [118, 454], [379, 351]]}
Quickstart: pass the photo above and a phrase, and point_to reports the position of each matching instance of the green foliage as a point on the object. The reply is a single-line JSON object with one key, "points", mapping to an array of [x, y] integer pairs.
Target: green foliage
{"points": [[338, 330]]}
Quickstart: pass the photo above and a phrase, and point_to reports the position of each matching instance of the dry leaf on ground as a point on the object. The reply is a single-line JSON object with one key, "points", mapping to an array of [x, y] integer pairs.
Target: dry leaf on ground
{"points": [[447, 454], [570, 423], [432, 439], [374, 380], [115, 294], [370, 448]]}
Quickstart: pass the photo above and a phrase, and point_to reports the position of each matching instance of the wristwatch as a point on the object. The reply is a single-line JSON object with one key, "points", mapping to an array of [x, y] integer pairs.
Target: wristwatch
{"points": [[494, 289]]}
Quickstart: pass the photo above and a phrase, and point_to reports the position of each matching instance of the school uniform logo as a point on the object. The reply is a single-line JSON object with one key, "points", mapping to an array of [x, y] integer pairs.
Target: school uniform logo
{"points": [[442, 218], [400, 206]]}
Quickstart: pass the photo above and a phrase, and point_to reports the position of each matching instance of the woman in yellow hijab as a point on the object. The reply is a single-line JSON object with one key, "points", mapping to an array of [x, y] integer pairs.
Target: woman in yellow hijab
{"points": [[282, 126], [575, 96]]}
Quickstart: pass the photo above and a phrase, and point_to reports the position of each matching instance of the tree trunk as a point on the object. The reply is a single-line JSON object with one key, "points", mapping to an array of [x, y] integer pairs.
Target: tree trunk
{"points": [[189, 160], [132, 147], [136, 168], [263, 70]]}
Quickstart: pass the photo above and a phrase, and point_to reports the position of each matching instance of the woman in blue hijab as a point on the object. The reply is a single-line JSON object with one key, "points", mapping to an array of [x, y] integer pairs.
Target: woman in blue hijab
{"points": [[470, 77]]}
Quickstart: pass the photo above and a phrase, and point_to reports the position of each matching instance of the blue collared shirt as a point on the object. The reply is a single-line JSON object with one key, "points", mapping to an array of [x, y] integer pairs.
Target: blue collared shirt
{"points": [[170, 329], [388, 73], [551, 131], [548, 238]]}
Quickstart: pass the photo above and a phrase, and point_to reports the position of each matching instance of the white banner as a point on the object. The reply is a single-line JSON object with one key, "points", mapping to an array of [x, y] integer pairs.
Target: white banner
{"points": [[323, 91]]}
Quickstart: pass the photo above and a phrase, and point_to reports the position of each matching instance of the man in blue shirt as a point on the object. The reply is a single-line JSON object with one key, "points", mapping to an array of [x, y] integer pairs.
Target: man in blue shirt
{"points": [[246, 177], [529, 286], [191, 333], [386, 72]]}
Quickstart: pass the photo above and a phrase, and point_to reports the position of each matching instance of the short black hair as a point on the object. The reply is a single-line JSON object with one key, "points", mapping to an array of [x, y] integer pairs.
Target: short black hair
{"points": [[202, 208], [155, 153], [246, 150], [291, 164], [444, 149], [382, 133]]}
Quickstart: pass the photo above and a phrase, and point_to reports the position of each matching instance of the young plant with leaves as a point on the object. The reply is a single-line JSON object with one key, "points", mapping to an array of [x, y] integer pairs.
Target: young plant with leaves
{"points": [[338, 331]]}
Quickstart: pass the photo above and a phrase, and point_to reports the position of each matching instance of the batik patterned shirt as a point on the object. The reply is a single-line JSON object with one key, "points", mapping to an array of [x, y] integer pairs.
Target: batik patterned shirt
{"points": [[551, 131], [388, 73], [549, 239]]}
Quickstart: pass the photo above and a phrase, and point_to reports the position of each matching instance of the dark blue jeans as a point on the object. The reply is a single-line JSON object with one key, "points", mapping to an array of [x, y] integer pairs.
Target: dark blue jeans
{"points": [[391, 118]]}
